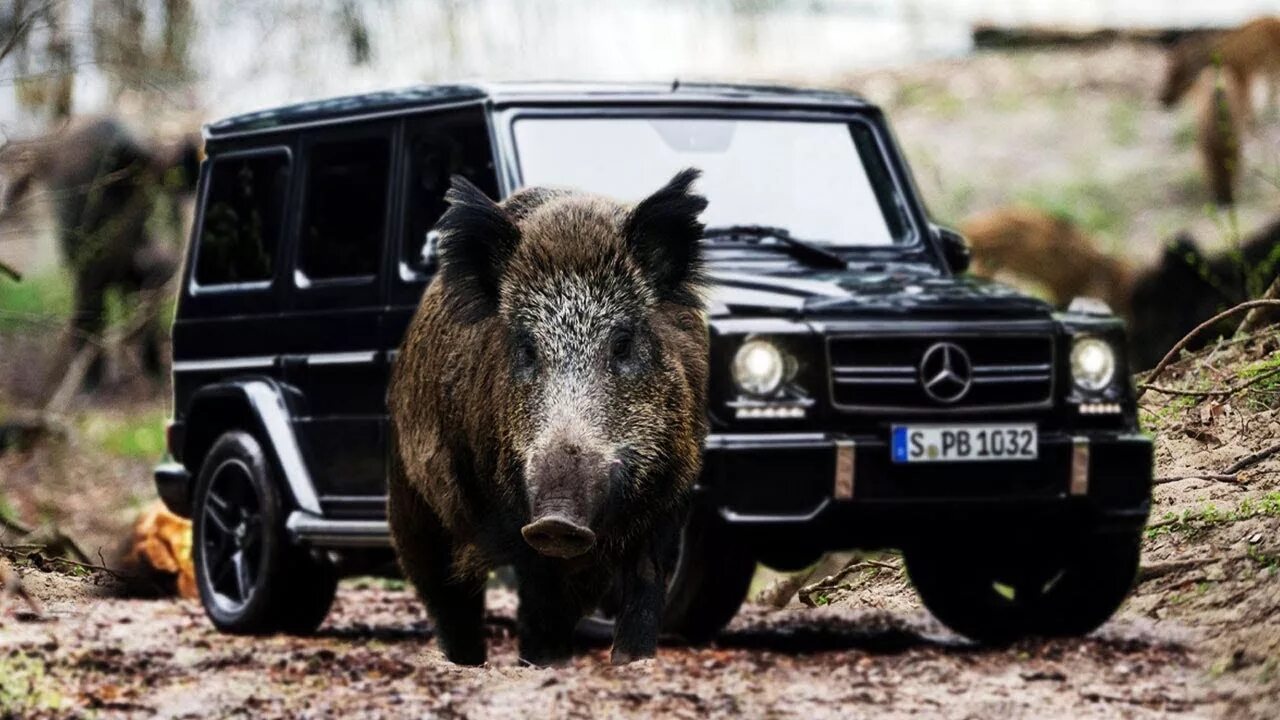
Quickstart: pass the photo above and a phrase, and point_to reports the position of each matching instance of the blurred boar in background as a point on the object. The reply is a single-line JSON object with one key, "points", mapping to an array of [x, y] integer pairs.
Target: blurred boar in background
{"points": [[1241, 54], [1050, 251], [106, 187], [1224, 66], [1223, 106], [548, 411], [1186, 287]]}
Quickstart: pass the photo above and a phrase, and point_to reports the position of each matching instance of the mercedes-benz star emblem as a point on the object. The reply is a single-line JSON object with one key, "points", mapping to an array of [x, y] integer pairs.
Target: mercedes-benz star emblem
{"points": [[946, 372]]}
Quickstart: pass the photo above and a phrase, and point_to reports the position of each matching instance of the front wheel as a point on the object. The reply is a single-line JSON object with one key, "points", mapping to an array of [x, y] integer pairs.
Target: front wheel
{"points": [[998, 595], [709, 581], [251, 579]]}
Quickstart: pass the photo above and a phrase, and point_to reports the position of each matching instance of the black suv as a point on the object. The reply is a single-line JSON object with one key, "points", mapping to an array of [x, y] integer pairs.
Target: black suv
{"points": [[864, 392]]}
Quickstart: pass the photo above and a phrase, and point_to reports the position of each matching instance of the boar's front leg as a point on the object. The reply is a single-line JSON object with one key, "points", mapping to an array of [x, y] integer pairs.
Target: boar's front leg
{"points": [[456, 605], [551, 604], [643, 581]]}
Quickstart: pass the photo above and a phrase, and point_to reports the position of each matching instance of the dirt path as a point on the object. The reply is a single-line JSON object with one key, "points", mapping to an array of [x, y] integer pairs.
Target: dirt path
{"points": [[374, 658]]}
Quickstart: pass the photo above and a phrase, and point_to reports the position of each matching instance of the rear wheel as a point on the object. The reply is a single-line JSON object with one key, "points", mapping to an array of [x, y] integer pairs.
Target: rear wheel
{"points": [[997, 596], [709, 581], [250, 577]]}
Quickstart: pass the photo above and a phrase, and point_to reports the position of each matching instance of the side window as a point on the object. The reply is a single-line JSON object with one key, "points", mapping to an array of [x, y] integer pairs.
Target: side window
{"points": [[242, 218], [346, 208], [439, 146]]}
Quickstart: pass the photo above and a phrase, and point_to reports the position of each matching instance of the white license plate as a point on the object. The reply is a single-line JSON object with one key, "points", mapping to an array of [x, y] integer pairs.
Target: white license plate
{"points": [[963, 443]]}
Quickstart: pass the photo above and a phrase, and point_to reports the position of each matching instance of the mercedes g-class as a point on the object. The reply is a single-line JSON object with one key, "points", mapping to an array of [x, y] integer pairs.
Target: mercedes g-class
{"points": [[865, 393]]}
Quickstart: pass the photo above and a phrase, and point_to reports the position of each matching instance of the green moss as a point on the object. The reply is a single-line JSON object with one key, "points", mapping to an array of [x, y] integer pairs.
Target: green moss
{"points": [[1196, 521]]}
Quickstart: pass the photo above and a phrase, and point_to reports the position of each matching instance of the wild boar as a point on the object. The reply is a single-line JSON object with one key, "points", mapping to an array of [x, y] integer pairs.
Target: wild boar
{"points": [[548, 412]]}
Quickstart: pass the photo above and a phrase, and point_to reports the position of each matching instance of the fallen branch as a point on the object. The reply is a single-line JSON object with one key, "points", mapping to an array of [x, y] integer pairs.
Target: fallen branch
{"points": [[1258, 317], [39, 559], [1220, 477], [1252, 459], [1161, 569], [6, 270], [1181, 344], [832, 583], [1228, 392]]}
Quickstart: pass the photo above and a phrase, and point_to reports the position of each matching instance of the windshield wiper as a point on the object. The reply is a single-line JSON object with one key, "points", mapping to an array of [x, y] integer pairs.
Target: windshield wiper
{"points": [[807, 252]]}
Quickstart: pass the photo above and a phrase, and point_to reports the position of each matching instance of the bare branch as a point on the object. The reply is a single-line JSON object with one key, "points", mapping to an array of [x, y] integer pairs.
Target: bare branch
{"points": [[1252, 459], [1177, 348], [21, 27], [1228, 392], [1219, 477]]}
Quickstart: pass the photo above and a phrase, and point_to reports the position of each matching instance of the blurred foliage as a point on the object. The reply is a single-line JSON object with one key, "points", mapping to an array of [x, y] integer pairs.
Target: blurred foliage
{"points": [[35, 300], [138, 436], [1094, 206], [26, 687]]}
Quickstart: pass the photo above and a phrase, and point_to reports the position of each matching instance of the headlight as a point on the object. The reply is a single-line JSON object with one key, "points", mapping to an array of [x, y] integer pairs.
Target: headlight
{"points": [[1093, 363], [758, 367]]}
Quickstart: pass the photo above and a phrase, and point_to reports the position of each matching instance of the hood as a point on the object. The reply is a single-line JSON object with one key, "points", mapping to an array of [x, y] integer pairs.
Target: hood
{"points": [[869, 293]]}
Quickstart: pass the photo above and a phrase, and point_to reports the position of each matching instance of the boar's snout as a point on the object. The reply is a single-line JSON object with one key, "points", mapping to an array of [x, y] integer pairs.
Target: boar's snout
{"points": [[558, 536], [566, 484]]}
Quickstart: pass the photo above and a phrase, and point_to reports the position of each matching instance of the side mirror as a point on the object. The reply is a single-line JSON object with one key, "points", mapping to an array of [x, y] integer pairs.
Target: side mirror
{"points": [[955, 249], [427, 258]]}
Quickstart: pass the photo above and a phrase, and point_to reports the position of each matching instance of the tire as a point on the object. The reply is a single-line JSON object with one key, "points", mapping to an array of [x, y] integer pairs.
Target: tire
{"points": [[252, 579], [709, 581], [1068, 591]]}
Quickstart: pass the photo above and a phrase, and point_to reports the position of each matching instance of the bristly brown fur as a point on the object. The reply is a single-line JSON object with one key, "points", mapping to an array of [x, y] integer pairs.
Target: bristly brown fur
{"points": [[565, 269]]}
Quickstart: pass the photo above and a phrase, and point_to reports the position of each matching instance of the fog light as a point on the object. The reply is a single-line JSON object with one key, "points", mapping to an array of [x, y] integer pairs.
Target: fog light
{"points": [[1100, 408], [769, 412]]}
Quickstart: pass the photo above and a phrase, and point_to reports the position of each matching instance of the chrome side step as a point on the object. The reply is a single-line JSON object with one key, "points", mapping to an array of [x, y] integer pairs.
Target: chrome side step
{"points": [[322, 532]]}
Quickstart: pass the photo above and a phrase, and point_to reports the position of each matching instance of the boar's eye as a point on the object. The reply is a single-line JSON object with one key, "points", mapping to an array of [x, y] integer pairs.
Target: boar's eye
{"points": [[526, 355], [622, 346]]}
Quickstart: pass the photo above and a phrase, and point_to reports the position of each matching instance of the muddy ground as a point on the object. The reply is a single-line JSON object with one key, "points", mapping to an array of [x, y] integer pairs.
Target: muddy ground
{"points": [[1199, 638]]}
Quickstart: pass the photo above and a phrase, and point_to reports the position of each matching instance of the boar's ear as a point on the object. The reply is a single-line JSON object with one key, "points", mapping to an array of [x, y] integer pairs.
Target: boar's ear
{"points": [[664, 235], [477, 238]]}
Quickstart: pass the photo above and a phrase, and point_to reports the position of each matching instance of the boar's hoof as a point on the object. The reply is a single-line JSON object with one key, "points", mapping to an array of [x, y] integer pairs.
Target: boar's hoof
{"points": [[557, 536]]}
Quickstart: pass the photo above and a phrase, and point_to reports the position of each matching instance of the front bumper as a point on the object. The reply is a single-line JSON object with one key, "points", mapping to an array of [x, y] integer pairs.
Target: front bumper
{"points": [[836, 491], [173, 484]]}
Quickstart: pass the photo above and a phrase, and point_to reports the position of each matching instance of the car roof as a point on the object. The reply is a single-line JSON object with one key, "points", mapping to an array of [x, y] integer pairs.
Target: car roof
{"points": [[404, 100]]}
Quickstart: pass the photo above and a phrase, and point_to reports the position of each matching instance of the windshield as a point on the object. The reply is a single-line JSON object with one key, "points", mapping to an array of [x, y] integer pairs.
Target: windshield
{"points": [[822, 181]]}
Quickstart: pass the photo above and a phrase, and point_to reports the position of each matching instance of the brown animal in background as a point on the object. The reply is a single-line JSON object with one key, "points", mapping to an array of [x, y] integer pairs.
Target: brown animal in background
{"points": [[1049, 250], [548, 408], [1223, 105], [1252, 48]]}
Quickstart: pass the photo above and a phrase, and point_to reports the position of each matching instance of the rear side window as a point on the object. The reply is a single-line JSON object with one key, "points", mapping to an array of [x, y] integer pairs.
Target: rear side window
{"points": [[242, 217], [440, 146], [346, 208]]}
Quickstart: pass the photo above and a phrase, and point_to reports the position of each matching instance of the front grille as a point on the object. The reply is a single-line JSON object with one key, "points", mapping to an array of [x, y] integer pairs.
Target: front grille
{"points": [[881, 372]]}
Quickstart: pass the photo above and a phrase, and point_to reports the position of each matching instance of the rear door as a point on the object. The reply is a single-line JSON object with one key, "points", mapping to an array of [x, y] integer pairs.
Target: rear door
{"points": [[333, 323], [227, 320], [437, 145]]}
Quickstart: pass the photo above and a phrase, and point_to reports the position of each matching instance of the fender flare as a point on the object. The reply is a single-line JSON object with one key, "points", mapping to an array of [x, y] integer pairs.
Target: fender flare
{"points": [[259, 403]]}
